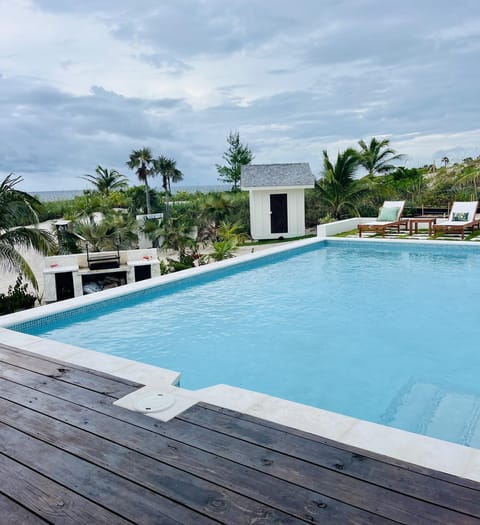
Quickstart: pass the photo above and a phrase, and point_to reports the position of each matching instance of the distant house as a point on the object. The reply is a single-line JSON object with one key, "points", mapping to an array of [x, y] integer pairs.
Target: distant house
{"points": [[277, 198]]}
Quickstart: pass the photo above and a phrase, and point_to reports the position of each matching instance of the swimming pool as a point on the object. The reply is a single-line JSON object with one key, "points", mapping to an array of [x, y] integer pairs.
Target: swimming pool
{"points": [[379, 331]]}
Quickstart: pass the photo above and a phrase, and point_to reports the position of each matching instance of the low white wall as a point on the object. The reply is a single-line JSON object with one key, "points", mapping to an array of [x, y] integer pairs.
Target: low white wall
{"points": [[334, 228]]}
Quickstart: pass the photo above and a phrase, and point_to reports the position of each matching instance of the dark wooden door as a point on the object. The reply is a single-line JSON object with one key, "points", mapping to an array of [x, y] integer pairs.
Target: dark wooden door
{"points": [[278, 213], [64, 285]]}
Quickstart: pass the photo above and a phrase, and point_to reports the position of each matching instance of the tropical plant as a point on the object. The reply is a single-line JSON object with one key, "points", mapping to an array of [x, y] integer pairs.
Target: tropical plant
{"points": [[20, 208], [167, 168], [107, 180], [236, 156], [141, 161], [471, 174], [177, 237], [229, 236], [216, 206], [377, 157], [136, 200], [338, 190], [17, 297], [122, 229], [406, 183], [445, 161], [115, 230], [153, 231], [223, 250], [227, 232]]}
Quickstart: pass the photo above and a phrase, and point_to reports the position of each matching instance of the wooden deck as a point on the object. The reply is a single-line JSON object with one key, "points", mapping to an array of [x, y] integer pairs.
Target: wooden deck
{"points": [[69, 456]]}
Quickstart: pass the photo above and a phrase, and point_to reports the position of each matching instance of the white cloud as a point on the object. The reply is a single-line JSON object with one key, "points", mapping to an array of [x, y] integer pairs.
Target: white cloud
{"points": [[84, 83]]}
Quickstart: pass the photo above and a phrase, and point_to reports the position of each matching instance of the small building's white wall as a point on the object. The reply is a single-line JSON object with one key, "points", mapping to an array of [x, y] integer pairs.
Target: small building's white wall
{"points": [[260, 227]]}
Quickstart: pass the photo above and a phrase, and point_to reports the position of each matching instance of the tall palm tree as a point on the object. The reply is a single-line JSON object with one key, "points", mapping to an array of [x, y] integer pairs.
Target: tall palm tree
{"points": [[445, 161], [339, 190], [377, 157], [107, 180], [141, 161], [167, 168], [19, 208]]}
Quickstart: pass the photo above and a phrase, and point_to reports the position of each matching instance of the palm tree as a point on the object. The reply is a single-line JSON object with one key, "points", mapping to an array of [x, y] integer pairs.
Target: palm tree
{"points": [[115, 230], [107, 180], [445, 161], [216, 206], [19, 208], [167, 168], [471, 174], [377, 156], [141, 160], [339, 191]]}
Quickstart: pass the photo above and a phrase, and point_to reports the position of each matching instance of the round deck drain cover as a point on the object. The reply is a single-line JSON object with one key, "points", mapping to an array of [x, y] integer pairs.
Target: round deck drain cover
{"points": [[154, 403]]}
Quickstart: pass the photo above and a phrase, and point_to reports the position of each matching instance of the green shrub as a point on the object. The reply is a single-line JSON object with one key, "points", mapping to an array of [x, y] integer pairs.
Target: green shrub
{"points": [[17, 298]]}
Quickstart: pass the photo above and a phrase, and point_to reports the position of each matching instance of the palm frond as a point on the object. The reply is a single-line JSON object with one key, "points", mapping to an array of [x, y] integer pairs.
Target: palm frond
{"points": [[12, 261]]}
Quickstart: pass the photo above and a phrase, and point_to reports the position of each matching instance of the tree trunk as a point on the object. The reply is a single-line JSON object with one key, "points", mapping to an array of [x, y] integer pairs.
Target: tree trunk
{"points": [[167, 196], [147, 196], [167, 205]]}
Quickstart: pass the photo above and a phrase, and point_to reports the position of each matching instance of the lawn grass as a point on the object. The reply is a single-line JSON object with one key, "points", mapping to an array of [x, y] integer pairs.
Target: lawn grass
{"points": [[276, 241], [347, 234]]}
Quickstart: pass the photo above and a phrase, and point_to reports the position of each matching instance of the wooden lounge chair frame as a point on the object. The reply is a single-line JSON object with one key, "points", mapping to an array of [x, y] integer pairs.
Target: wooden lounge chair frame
{"points": [[383, 226], [452, 226]]}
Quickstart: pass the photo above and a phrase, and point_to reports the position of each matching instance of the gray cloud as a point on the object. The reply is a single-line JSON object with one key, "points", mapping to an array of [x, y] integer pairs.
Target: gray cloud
{"points": [[293, 78]]}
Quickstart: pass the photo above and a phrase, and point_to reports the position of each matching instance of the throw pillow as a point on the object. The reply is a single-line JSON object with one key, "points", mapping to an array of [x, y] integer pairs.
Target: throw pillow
{"points": [[460, 217], [388, 214]]}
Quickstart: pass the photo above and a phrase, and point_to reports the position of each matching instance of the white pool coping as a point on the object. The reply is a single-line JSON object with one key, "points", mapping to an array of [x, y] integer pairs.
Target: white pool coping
{"points": [[406, 446]]}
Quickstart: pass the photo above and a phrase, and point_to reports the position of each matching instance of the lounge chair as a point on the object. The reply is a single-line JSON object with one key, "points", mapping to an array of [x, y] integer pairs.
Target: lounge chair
{"points": [[389, 216], [462, 215]]}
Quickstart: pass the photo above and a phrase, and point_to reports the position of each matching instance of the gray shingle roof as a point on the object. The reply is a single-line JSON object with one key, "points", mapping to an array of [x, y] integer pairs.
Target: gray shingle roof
{"points": [[268, 175]]}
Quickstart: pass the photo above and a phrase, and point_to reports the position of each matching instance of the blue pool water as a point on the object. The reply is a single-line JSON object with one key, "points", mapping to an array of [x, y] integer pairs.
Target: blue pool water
{"points": [[386, 333]]}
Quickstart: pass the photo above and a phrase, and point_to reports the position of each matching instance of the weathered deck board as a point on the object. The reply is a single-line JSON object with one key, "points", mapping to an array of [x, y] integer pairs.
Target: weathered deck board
{"points": [[12, 512], [85, 378], [49, 499], [260, 423], [67, 455], [458, 494]]}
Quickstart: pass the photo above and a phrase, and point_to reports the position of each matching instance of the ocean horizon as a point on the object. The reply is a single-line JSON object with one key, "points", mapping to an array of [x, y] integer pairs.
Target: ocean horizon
{"points": [[60, 195]]}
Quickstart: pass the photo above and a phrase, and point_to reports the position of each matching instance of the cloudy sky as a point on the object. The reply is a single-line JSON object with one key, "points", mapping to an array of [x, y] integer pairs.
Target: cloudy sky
{"points": [[84, 82]]}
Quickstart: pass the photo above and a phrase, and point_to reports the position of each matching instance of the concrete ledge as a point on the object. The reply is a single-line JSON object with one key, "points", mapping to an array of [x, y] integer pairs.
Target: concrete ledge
{"points": [[334, 228]]}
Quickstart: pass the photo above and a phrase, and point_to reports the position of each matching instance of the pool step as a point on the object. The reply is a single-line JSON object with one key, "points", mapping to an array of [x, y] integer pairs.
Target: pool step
{"points": [[456, 419], [432, 410]]}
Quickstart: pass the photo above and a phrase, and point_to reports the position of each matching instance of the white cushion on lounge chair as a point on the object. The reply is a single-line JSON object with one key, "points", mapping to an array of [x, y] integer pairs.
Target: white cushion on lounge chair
{"points": [[452, 223], [461, 207], [389, 204], [464, 207]]}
